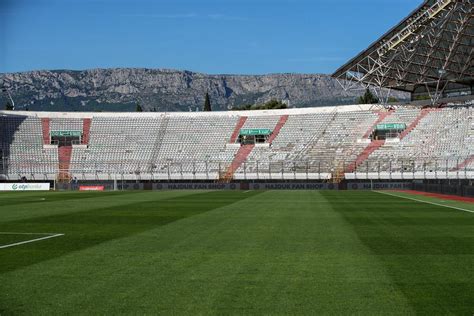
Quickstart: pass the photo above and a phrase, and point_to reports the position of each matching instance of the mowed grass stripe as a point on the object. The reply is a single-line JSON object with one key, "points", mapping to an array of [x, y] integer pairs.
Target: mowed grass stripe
{"points": [[94, 226], [278, 252], [274, 252], [18, 198], [42, 204], [420, 246], [302, 258]]}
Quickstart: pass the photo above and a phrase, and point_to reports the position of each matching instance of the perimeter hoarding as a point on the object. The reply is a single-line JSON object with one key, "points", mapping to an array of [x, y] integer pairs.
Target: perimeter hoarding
{"points": [[244, 186], [24, 186], [196, 186], [379, 186], [293, 186], [91, 188]]}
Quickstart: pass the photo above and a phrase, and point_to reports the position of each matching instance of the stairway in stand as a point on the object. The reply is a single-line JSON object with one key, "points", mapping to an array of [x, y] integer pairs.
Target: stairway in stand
{"points": [[45, 123], [376, 144], [423, 113], [337, 176], [160, 135], [245, 150], [240, 157], [463, 164], [86, 128], [64, 155], [382, 115], [238, 127], [373, 146], [277, 128]]}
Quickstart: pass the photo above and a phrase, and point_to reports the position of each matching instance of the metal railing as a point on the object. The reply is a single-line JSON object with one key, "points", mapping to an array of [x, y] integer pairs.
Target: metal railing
{"points": [[250, 169]]}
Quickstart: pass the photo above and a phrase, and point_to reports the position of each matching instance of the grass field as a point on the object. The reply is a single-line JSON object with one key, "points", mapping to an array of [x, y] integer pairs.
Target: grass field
{"points": [[210, 252]]}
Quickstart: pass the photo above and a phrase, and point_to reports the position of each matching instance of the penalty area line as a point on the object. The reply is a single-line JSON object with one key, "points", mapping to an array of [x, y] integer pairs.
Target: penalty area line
{"points": [[15, 233], [427, 202], [28, 241]]}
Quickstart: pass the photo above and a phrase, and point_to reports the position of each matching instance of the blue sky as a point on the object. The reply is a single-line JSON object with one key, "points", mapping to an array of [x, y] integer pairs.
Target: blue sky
{"points": [[211, 36]]}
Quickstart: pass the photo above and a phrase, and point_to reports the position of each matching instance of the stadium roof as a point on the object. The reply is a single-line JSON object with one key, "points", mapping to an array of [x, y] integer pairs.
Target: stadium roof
{"points": [[430, 51]]}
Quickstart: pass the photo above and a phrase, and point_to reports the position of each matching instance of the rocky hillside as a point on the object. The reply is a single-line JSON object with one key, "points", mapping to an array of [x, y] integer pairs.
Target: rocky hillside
{"points": [[165, 90]]}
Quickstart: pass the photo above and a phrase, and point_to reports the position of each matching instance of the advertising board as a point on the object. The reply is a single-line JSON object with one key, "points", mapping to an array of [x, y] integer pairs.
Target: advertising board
{"points": [[24, 186], [196, 186], [379, 186], [91, 188]]}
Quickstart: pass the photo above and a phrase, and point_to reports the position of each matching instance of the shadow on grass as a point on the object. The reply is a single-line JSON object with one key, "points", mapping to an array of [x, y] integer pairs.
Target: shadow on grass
{"points": [[87, 229], [419, 247], [27, 198]]}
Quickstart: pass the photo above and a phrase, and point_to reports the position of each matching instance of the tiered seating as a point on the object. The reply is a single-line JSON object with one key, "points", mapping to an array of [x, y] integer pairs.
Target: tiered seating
{"points": [[339, 142], [286, 149], [195, 146], [239, 159], [350, 126], [117, 145], [22, 149], [235, 133], [258, 158], [402, 115], [276, 131], [66, 124], [306, 144], [440, 141], [264, 121]]}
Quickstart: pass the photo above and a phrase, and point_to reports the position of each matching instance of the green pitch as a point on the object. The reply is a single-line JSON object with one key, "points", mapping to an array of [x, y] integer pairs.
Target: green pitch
{"points": [[209, 252]]}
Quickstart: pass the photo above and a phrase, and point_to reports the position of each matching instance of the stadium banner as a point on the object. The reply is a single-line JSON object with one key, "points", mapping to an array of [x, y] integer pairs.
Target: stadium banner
{"points": [[255, 131], [66, 133], [391, 126], [196, 186], [91, 188], [24, 186], [293, 186], [379, 186]]}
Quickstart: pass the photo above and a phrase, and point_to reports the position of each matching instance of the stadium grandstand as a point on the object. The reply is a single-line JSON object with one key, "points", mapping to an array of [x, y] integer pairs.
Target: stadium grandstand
{"points": [[428, 54], [329, 143]]}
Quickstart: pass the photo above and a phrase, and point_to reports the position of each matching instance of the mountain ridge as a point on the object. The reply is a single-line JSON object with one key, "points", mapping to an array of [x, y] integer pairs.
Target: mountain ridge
{"points": [[120, 89]]}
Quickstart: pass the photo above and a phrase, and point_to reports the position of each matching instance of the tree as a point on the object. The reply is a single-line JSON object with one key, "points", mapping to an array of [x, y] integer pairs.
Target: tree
{"points": [[274, 105], [139, 108], [368, 98], [207, 103], [270, 105], [8, 106]]}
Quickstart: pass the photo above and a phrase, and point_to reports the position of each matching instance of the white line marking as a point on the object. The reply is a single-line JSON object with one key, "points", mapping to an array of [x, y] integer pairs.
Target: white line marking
{"points": [[248, 191], [15, 233], [31, 240], [422, 201]]}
